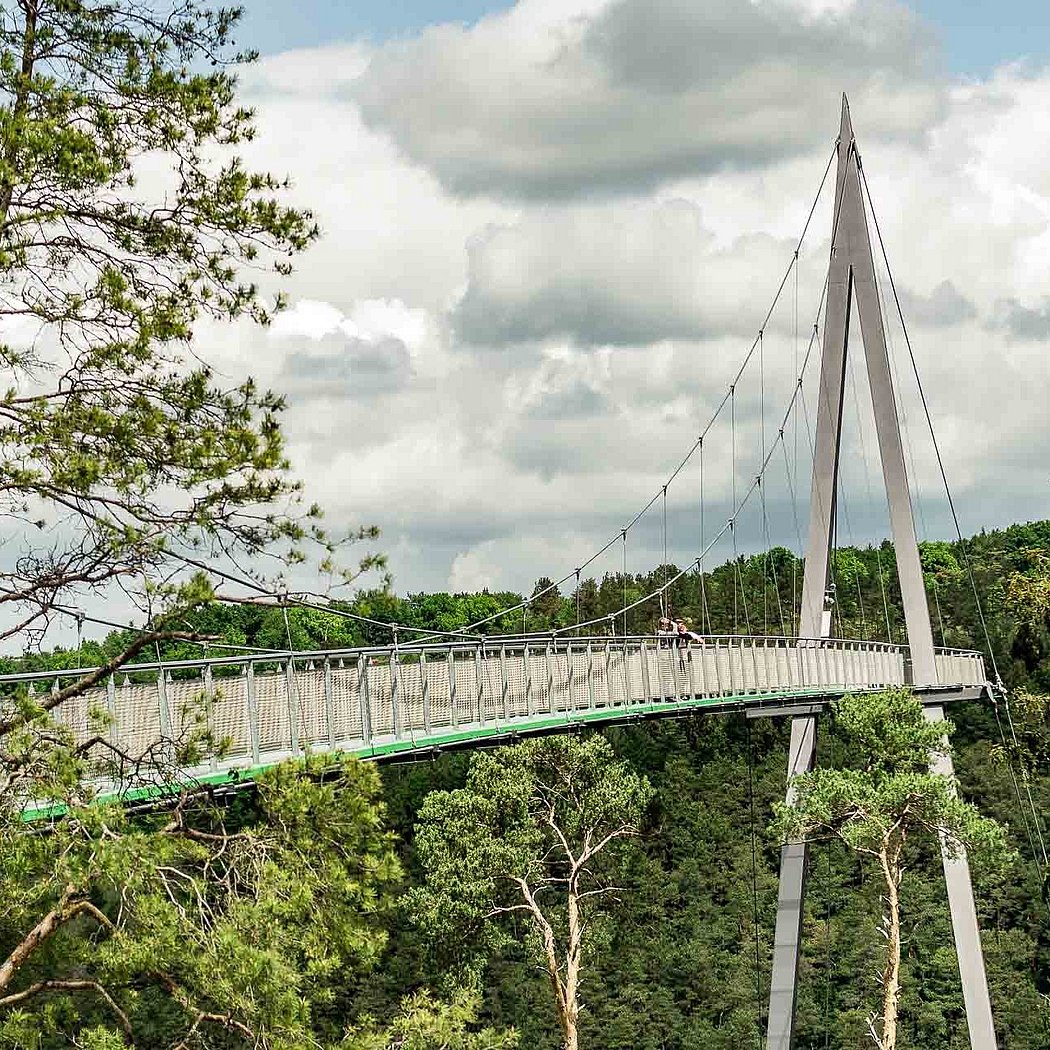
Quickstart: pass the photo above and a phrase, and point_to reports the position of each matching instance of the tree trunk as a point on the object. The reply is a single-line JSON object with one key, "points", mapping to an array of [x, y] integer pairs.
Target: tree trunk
{"points": [[571, 1016], [892, 972], [569, 1033], [25, 80]]}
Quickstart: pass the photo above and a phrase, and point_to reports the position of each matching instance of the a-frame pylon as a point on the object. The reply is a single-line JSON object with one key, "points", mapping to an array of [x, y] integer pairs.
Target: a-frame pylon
{"points": [[851, 277]]}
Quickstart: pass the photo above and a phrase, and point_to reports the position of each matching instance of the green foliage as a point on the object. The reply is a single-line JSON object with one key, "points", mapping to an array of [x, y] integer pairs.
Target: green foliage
{"points": [[887, 791], [428, 1025], [126, 215], [507, 825], [178, 925], [538, 831], [672, 957], [883, 797]]}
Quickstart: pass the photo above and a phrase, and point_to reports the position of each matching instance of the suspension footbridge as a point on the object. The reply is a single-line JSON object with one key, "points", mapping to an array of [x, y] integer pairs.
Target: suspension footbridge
{"points": [[468, 688], [386, 703]]}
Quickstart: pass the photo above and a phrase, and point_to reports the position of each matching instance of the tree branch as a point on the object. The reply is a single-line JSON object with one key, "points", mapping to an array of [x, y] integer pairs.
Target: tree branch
{"points": [[73, 986], [65, 910]]}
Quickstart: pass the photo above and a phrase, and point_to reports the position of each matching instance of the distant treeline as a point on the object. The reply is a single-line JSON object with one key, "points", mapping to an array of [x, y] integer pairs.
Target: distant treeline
{"points": [[756, 594]]}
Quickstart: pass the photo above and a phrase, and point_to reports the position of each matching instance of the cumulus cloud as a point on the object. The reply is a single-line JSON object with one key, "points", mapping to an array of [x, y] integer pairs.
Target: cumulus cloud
{"points": [[365, 354], [353, 367], [622, 95], [612, 275], [1023, 322], [945, 305]]}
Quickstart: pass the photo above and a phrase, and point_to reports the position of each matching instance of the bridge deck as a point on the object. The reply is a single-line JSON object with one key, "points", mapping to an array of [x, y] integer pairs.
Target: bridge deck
{"points": [[383, 703]]}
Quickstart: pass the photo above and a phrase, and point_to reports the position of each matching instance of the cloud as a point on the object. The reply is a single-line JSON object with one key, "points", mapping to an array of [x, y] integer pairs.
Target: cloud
{"points": [[612, 275], [485, 565], [557, 101], [945, 305], [367, 353], [1023, 322], [351, 367], [563, 354], [501, 382]]}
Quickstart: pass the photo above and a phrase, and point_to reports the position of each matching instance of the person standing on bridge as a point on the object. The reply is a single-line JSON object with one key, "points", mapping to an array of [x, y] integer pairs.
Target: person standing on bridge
{"points": [[686, 634], [666, 632]]}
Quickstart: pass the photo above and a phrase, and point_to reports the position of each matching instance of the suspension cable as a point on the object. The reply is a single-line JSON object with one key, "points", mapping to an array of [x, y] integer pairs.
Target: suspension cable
{"points": [[719, 408], [871, 498], [909, 447], [705, 615], [665, 605], [741, 503], [81, 618], [796, 396], [827, 948], [1014, 782], [732, 527], [253, 585], [856, 575], [795, 607], [933, 434], [624, 534], [798, 539]]}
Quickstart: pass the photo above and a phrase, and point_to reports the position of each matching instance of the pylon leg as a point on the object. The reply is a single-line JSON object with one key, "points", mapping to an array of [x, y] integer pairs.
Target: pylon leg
{"points": [[964, 925], [787, 939]]}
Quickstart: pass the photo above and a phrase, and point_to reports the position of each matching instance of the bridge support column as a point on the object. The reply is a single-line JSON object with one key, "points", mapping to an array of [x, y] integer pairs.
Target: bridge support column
{"points": [[851, 274], [964, 925], [787, 937]]}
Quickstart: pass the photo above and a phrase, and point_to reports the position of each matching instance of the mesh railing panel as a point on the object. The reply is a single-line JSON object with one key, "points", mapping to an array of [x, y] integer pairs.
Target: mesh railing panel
{"points": [[309, 686], [410, 696], [562, 694], [440, 685], [229, 715], [380, 698], [136, 716], [539, 672], [465, 712], [271, 701], [346, 704]]}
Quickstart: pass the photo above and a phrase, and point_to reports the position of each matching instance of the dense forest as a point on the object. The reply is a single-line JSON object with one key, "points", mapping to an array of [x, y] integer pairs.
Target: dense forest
{"points": [[679, 956]]}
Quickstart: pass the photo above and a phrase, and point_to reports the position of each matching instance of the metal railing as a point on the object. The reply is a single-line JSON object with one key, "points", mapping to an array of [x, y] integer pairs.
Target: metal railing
{"points": [[269, 706]]}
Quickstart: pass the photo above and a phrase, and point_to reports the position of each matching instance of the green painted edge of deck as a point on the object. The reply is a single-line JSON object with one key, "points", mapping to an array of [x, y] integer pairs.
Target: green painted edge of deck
{"points": [[495, 730]]}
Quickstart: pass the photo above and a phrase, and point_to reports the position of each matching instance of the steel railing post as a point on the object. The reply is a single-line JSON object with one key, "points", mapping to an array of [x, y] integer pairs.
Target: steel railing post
{"points": [[253, 712], [395, 692], [364, 698], [291, 696], [424, 684], [329, 702]]}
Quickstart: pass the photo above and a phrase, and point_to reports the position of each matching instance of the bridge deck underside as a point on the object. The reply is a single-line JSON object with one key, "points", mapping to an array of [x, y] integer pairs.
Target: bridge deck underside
{"points": [[385, 703]]}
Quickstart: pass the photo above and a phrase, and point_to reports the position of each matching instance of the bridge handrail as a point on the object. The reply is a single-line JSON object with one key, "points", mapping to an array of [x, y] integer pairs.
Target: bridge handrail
{"points": [[491, 643]]}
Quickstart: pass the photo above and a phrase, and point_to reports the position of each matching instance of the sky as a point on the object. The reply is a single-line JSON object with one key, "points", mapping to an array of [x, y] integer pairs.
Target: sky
{"points": [[552, 231], [976, 35]]}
